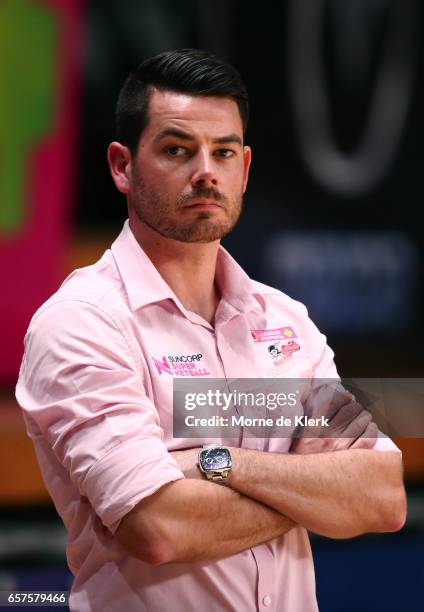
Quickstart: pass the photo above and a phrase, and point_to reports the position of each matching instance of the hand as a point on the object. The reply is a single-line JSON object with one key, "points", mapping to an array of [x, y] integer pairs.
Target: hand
{"points": [[350, 425], [187, 462]]}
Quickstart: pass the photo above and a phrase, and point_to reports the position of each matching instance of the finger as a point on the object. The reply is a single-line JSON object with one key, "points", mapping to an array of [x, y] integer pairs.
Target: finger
{"points": [[371, 431], [356, 427], [348, 414], [368, 439]]}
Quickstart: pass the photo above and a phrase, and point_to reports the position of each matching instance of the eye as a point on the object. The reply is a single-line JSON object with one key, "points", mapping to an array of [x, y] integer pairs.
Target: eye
{"points": [[175, 151], [224, 153]]}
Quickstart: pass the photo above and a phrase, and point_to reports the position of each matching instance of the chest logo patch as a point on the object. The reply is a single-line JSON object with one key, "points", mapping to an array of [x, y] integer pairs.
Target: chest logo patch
{"points": [[270, 335], [181, 365], [280, 352]]}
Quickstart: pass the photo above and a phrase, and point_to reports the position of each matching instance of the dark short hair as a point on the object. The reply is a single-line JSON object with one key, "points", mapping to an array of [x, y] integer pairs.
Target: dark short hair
{"points": [[188, 71]]}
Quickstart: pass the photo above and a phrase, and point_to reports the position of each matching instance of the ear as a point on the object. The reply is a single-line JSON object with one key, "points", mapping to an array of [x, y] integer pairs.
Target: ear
{"points": [[119, 159], [247, 154]]}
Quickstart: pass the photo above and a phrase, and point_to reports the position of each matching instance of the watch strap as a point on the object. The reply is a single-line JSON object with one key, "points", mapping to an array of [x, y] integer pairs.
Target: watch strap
{"points": [[218, 476]]}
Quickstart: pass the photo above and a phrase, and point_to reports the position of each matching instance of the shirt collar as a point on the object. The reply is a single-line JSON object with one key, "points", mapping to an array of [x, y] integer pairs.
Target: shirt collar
{"points": [[235, 285], [144, 284]]}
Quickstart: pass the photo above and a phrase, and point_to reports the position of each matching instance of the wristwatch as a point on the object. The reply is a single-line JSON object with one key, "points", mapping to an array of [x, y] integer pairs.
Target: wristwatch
{"points": [[215, 462]]}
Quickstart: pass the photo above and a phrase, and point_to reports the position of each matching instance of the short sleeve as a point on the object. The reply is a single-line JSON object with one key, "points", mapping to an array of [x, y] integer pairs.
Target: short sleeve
{"points": [[81, 390]]}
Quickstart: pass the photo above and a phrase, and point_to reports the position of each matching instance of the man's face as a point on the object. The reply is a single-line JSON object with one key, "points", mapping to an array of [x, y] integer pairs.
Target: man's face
{"points": [[190, 171]]}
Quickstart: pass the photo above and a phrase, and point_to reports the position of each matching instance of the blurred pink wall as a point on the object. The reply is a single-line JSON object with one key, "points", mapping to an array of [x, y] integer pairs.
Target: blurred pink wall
{"points": [[33, 240]]}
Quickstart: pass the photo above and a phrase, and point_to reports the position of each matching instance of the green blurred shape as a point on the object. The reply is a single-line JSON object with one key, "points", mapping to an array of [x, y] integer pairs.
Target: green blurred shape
{"points": [[27, 78]]}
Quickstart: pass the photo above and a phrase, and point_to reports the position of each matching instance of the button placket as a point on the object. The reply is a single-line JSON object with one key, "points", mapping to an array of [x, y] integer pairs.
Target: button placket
{"points": [[265, 563]]}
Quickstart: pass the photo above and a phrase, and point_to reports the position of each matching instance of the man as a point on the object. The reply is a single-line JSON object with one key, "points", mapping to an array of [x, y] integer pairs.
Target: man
{"points": [[148, 530]]}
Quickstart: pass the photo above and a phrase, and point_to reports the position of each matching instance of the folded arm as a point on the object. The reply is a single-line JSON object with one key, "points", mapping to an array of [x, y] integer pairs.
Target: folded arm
{"points": [[337, 494], [195, 520], [336, 487]]}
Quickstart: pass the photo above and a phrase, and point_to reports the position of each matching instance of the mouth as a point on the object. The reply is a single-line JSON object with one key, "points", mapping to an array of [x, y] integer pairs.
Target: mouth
{"points": [[203, 205]]}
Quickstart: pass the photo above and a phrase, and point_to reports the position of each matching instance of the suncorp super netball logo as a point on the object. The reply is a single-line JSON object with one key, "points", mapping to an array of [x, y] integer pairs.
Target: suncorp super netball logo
{"points": [[181, 365]]}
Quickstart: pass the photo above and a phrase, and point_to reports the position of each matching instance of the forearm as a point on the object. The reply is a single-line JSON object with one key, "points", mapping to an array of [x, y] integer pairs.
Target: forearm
{"points": [[338, 494], [194, 520]]}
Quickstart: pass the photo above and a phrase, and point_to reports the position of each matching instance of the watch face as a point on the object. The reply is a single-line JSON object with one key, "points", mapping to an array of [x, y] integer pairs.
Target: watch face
{"points": [[215, 459]]}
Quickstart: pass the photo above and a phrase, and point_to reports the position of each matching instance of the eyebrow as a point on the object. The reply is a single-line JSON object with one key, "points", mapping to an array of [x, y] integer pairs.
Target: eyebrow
{"points": [[231, 138]]}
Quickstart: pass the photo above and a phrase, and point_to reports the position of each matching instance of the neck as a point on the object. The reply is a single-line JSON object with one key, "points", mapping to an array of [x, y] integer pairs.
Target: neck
{"points": [[188, 268]]}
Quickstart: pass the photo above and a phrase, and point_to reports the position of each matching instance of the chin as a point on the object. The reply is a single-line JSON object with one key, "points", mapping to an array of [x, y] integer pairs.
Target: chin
{"points": [[210, 233]]}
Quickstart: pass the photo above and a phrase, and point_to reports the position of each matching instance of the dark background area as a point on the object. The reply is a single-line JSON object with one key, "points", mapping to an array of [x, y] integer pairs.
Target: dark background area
{"points": [[283, 197]]}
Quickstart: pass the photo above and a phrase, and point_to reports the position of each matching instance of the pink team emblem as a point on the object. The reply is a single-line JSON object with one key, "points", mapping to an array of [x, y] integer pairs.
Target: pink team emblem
{"points": [[271, 335], [163, 366], [281, 352]]}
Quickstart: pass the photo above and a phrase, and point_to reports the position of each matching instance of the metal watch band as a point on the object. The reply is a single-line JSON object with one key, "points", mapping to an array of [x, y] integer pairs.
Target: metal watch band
{"points": [[217, 477]]}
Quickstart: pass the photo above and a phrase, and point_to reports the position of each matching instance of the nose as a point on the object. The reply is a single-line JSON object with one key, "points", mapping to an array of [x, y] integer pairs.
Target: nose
{"points": [[204, 174]]}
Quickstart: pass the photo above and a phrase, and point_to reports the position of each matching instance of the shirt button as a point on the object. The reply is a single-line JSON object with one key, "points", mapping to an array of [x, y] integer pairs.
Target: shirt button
{"points": [[267, 600]]}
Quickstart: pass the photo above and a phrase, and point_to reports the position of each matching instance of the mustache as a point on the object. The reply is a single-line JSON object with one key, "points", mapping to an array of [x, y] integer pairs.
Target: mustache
{"points": [[207, 193]]}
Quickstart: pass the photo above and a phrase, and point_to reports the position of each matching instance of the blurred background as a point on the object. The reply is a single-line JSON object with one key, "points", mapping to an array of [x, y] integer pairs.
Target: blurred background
{"points": [[331, 216]]}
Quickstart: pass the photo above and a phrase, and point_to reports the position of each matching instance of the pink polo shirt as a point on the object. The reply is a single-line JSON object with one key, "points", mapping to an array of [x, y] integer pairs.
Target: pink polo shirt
{"points": [[95, 387]]}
